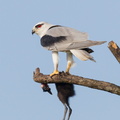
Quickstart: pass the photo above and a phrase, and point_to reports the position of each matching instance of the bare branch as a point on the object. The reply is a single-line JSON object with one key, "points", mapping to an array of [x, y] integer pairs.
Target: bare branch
{"points": [[72, 79], [115, 50]]}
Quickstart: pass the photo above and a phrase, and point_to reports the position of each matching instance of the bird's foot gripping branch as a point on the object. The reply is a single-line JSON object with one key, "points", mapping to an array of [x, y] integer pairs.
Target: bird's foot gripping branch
{"points": [[64, 91], [72, 79], [65, 88]]}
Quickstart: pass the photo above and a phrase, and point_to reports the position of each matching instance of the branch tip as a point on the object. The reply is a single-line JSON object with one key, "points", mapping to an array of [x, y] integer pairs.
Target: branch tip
{"points": [[37, 71]]}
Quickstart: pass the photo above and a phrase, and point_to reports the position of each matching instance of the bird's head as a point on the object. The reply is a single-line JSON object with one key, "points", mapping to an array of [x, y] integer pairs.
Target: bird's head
{"points": [[41, 28], [46, 88]]}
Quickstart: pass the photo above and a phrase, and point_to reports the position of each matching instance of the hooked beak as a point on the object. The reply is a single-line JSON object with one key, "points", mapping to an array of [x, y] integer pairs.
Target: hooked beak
{"points": [[33, 32], [46, 89]]}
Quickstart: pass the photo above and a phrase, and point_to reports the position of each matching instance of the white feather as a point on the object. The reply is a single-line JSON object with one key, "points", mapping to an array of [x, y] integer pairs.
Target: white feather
{"points": [[82, 55]]}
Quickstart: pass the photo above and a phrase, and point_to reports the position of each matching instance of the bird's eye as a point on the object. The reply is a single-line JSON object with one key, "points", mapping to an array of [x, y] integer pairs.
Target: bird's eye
{"points": [[38, 26]]}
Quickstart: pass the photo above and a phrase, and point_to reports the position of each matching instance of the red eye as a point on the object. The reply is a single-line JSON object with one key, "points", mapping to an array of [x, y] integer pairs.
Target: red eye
{"points": [[38, 26]]}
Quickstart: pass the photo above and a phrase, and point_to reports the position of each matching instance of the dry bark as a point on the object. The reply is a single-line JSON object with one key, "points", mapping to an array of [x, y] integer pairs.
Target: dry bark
{"points": [[72, 79], [115, 50]]}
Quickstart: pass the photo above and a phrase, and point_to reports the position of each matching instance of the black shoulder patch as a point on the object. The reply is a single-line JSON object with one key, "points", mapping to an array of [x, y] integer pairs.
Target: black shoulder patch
{"points": [[54, 26], [48, 40]]}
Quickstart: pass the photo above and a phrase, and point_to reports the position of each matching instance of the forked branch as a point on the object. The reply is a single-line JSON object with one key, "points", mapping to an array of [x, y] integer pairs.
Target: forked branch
{"points": [[72, 79]]}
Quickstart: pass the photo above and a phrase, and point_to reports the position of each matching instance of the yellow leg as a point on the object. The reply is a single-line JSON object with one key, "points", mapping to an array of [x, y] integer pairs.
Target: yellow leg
{"points": [[70, 61], [68, 67], [56, 72]]}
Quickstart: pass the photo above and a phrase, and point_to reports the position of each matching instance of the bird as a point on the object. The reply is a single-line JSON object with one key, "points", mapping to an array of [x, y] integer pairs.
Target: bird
{"points": [[57, 38], [45, 87], [64, 92]]}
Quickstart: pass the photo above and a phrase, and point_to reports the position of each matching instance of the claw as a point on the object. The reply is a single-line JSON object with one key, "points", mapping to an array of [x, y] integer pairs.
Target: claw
{"points": [[68, 73], [56, 72]]}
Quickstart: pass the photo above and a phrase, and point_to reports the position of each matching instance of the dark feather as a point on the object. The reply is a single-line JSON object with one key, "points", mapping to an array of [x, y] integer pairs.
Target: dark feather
{"points": [[48, 40], [65, 91], [54, 26], [88, 50]]}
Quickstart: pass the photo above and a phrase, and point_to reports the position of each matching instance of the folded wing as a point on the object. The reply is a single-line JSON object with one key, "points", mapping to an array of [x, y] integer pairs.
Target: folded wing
{"points": [[69, 39]]}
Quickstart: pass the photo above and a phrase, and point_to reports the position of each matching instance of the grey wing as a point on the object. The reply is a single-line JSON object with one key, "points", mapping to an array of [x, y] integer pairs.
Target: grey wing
{"points": [[84, 44], [73, 39]]}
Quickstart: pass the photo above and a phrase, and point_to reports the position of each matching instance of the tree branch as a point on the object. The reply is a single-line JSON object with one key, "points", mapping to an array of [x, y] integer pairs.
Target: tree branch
{"points": [[114, 49], [72, 79]]}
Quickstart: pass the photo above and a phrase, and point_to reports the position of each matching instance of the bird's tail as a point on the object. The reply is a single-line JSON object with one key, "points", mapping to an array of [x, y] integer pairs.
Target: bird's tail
{"points": [[82, 55]]}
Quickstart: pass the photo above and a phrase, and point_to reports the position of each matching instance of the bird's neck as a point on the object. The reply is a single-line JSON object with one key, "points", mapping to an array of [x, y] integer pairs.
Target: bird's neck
{"points": [[44, 30]]}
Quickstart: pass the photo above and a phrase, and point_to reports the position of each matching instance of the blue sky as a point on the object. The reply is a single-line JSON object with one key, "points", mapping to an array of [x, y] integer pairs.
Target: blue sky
{"points": [[20, 53]]}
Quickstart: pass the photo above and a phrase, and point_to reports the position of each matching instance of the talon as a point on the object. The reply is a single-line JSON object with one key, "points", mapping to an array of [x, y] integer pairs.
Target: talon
{"points": [[54, 73], [67, 72]]}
